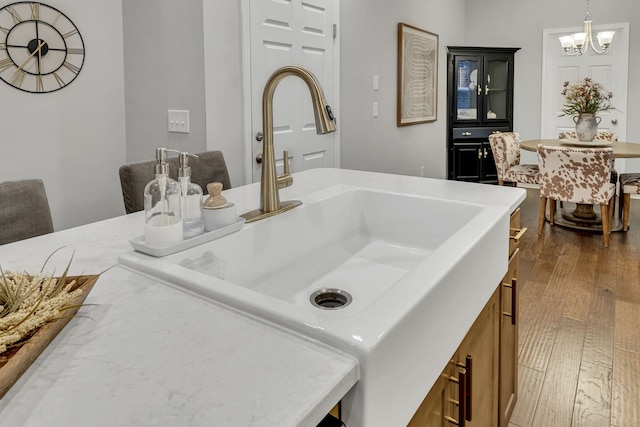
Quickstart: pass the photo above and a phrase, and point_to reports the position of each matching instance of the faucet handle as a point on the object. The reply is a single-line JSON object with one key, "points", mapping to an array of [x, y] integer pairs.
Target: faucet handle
{"points": [[285, 161], [285, 180]]}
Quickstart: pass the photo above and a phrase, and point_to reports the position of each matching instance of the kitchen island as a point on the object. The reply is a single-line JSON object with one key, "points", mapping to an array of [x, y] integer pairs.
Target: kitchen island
{"points": [[146, 352], [143, 353]]}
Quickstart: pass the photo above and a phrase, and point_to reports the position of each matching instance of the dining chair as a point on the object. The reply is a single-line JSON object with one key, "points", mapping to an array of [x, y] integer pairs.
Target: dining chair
{"points": [[600, 136], [206, 168], [629, 184], [506, 153], [576, 175], [24, 210]]}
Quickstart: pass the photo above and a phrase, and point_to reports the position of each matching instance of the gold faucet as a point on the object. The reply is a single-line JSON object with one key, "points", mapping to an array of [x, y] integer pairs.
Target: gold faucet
{"points": [[270, 183]]}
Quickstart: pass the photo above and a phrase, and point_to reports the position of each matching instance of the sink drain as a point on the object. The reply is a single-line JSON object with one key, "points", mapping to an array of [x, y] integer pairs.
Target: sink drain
{"points": [[330, 299]]}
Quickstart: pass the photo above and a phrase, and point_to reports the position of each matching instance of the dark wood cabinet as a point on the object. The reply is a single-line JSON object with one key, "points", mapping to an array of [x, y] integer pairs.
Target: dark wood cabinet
{"points": [[480, 102]]}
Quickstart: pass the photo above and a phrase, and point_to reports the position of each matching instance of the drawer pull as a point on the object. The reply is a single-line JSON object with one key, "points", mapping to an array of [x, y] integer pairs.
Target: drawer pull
{"points": [[514, 300], [518, 234], [467, 365], [462, 396], [466, 133]]}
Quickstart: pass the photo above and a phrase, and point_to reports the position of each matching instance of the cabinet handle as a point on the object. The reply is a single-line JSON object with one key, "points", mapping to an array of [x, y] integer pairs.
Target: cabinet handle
{"points": [[485, 153], [479, 90], [462, 396], [479, 153], [486, 89], [466, 133], [519, 233], [514, 300], [467, 365]]}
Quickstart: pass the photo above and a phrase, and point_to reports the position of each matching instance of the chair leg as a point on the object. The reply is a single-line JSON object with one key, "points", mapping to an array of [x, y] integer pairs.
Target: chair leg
{"points": [[621, 204], [543, 208], [604, 213], [612, 211], [500, 182], [625, 213], [552, 211]]}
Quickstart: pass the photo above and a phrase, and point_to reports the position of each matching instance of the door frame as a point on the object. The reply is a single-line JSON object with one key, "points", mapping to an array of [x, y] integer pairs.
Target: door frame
{"points": [[246, 86]]}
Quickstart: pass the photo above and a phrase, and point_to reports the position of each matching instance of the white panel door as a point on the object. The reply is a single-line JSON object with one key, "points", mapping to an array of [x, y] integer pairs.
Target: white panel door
{"points": [[292, 32], [609, 69]]}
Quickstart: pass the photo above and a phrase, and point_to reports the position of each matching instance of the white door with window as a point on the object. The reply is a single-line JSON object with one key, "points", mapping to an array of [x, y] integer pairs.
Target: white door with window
{"points": [[283, 33], [610, 69]]}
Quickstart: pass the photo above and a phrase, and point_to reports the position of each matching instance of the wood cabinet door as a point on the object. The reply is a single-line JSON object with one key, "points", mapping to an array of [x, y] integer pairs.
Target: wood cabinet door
{"points": [[489, 172], [481, 343], [467, 158], [439, 409], [509, 330]]}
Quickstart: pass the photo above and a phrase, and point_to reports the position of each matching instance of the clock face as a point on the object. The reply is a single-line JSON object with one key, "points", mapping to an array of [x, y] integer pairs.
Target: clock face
{"points": [[41, 50]]}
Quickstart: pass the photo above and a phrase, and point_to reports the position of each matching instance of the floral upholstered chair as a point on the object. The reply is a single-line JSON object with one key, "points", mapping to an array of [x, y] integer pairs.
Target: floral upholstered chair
{"points": [[629, 184], [506, 153], [577, 175]]}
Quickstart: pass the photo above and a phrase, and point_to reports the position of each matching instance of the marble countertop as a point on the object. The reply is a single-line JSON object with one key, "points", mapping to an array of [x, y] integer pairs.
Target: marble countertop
{"points": [[143, 353]]}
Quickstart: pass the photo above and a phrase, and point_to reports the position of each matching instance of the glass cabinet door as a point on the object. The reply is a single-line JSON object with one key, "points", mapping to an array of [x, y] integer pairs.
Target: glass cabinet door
{"points": [[467, 88], [495, 90]]}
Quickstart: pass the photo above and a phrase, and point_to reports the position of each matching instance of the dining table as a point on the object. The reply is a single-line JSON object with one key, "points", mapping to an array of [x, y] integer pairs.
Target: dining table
{"points": [[578, 215]]}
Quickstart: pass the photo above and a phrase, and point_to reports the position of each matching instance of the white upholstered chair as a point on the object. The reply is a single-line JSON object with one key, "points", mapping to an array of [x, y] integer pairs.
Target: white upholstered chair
{"points": [[576, 175], [506, 153]]}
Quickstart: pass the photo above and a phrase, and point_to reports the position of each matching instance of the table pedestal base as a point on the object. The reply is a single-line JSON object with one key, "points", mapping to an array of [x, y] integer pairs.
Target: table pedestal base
{"points": [[583, 217]]}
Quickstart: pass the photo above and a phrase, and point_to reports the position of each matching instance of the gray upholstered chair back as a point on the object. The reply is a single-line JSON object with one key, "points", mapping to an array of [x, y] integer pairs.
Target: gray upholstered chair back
{"points": [[208, 167], [24, 210]]}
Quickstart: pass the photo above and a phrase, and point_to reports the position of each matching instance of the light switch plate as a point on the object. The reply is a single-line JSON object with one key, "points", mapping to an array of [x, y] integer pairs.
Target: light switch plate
{"points": [[178, 121]]}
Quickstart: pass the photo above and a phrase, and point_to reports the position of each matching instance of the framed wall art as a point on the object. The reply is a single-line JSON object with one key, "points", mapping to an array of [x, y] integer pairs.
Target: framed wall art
{"points": [[417, 75]]}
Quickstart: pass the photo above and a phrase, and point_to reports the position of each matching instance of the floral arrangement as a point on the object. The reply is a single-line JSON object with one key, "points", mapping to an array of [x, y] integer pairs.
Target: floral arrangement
{"points": [[585, 96]]}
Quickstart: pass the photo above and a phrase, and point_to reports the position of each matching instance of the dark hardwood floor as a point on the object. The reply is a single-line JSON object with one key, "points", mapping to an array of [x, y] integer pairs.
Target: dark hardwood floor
{"points": [[579, 357]]}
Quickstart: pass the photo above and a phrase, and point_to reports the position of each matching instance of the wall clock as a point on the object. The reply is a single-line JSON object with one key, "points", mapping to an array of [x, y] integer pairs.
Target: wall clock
{"points": [[41, 49]]}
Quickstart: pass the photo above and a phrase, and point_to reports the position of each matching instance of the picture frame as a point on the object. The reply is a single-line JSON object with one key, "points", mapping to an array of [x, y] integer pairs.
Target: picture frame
{"points": [[417, 75]]}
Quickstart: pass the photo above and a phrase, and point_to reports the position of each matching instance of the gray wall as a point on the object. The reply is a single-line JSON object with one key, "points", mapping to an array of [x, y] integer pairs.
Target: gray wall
{"points": [[74, 138], [223, 83], [163, 70], [369, 47]]}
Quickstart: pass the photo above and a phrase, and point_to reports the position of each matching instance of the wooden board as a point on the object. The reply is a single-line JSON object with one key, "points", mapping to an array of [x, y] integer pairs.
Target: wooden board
{"points": [[15, 361]]}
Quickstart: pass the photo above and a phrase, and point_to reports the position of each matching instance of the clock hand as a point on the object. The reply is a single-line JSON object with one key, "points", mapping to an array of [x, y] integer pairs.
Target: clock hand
{"points": [[40, 59], [40, 44]]}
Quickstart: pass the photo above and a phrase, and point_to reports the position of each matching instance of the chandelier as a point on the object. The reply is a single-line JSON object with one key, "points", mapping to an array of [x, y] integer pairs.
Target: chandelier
{"points": [[578, 43]]}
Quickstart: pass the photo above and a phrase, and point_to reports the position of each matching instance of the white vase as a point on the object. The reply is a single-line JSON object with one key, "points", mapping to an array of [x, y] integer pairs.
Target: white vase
{"points": [[586, 126]]}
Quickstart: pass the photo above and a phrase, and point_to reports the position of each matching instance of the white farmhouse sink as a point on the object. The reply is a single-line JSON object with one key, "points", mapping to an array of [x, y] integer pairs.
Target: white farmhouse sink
{"points": [[418, 268]]}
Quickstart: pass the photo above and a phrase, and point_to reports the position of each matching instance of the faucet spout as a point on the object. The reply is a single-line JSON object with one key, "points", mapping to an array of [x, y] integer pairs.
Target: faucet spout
{"points": [[270, 183]]}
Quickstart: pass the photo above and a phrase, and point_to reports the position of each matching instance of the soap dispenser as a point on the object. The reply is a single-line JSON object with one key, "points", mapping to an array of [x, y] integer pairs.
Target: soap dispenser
{"points": [[191, 199], [163, 220]]}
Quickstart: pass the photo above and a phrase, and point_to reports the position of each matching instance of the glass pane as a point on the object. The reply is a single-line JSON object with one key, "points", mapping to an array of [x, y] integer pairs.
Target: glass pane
{"points": [[466, 90], [497, 82]]}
